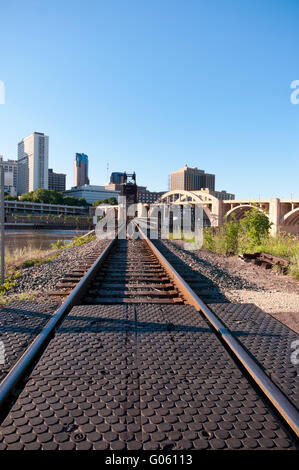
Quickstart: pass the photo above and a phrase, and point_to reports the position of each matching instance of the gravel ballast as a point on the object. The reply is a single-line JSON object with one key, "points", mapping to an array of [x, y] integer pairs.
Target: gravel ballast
{"points": [[41, 279], [243, 282]]}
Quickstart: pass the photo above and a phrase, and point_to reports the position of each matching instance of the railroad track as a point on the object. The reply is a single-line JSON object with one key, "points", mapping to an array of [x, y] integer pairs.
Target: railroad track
{"points": [[124, 302], [132, 274]]}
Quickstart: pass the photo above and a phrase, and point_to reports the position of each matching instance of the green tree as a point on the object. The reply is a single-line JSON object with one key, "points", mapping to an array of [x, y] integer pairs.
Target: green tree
{"points": [[49, 196], [110, 200], [231, 235], [8, 197], [256, 225], [73, 201]]}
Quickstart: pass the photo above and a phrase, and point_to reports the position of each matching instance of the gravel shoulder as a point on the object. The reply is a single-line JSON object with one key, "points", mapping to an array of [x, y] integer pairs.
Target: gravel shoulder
{"points": [[36, 282], [243, 282]]}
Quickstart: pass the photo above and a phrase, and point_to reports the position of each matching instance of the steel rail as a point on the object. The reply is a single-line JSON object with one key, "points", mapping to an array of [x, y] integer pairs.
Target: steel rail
{"points": [[26, 360], [281, 403]]}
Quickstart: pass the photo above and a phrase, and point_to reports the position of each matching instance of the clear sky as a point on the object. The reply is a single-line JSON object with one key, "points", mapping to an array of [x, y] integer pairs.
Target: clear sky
{"points": [[149, 85]]}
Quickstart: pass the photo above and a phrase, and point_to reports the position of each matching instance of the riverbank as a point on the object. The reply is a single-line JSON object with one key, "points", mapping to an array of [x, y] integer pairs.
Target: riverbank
{"points": [[37, 239], [33, 279]]}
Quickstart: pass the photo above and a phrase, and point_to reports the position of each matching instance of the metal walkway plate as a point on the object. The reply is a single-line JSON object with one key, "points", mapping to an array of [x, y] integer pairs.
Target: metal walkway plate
{"points": [[144, 377], [20, 323], [267, 340]]}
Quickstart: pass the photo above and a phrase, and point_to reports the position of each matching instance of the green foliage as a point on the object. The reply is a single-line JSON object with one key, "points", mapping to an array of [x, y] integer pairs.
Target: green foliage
{"points": [[252, 236], [49, 196], [208, 239], [232, 229], [76, 241], [9, 283], [111, 200], [59, 245], [28, 263], [256, 225], [237, 236], [36, 261]]}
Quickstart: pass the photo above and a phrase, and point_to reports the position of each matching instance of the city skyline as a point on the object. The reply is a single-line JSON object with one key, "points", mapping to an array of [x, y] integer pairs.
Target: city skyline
{"points": [[208, 86]]}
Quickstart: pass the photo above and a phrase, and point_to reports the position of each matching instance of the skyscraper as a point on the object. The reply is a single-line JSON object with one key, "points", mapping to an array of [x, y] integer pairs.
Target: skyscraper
{"points": [[10, 175], [81, 170], [56, 181], [191, 179], [33, 155]]}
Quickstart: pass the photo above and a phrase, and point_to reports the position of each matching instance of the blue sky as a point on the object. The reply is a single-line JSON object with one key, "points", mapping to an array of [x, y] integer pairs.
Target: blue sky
{"points": [[152, 85]]}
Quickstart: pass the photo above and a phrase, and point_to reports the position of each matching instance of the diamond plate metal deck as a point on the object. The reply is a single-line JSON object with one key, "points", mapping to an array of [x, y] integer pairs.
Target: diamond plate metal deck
{"points": [[267, 340], [20, 323], [145, 377]]}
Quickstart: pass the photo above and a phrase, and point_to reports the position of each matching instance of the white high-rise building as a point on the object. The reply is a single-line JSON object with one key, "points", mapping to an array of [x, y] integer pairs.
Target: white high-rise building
{"points": [[33, 155]]}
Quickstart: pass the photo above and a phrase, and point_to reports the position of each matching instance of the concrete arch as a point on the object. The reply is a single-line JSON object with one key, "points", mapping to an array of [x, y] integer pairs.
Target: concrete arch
{"points": [[291, 218], [184, 196], [240, 210], [211, 205]]}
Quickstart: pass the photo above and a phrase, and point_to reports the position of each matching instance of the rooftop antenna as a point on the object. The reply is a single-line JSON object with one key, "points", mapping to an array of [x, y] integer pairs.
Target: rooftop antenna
{"points": [[107, 172]]}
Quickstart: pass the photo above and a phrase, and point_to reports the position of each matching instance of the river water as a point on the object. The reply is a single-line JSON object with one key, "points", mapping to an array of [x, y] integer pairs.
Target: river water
{"points": [[37, 239]]}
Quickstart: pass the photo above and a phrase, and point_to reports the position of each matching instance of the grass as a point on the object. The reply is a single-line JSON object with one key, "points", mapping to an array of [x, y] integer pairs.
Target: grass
{"points": [[9, 283], [284, 245], [25, 258], [186, 237], [30, 295], [76, 241]]}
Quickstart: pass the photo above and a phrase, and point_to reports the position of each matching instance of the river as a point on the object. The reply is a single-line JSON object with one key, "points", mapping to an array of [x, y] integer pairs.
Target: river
{"points": [[37, 239]]}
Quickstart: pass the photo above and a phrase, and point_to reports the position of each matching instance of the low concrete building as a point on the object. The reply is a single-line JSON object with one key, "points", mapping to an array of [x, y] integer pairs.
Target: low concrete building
{"points": [[34, 208], [221, 195], [91, 193], [148, 197]]}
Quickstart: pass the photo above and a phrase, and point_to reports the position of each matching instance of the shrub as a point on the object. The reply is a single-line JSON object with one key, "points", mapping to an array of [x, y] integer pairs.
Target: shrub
{"points": [[208, 239], [231, 236], [28, 263], [59, 245], [256, 225]]}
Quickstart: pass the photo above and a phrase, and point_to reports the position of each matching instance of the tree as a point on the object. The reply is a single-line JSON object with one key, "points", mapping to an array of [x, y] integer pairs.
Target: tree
{"points": [[256, 225], [111, 200], [8, 197], [49, 196], [231, 235]]}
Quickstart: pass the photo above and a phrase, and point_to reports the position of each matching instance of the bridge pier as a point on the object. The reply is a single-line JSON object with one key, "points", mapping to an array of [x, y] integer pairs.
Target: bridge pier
{"points": [[274, 216]]}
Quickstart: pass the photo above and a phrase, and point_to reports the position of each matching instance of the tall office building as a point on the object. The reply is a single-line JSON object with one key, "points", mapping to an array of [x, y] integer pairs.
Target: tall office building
{"points": [[117, 177], [117, 180], [56, 181], [81, 170], [33, 155], [10, 175], [191, 179]]}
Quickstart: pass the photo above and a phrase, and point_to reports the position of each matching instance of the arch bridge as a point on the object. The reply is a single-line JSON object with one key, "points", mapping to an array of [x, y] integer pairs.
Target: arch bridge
{"points": [[282, 213]]}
